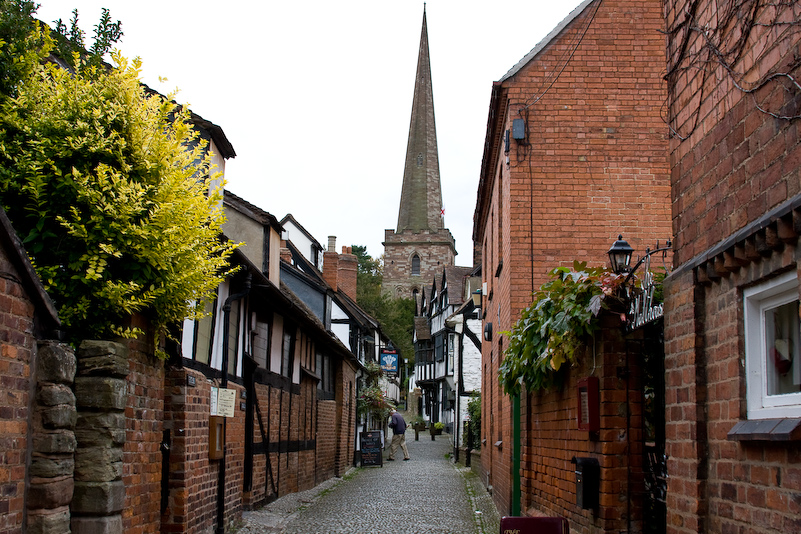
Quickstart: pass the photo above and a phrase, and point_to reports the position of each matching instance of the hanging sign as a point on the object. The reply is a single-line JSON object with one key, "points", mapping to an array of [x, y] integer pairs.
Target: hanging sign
{"points": [[643, 308], [389, 361]]}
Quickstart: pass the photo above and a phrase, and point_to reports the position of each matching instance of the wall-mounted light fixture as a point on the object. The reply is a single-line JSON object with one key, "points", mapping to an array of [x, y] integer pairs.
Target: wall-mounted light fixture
{"points": [[641, 302], [620, 256]]}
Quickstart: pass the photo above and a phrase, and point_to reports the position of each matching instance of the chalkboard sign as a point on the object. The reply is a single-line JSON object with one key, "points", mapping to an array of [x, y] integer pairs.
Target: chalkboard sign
{"points": [[370, 445]]}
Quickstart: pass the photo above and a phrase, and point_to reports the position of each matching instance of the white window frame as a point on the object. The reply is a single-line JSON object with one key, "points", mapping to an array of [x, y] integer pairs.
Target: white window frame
{"points": [[776, 292]]}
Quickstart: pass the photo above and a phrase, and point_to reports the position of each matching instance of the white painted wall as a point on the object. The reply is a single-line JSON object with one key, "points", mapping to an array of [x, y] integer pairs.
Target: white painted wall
{"points": [[301, 242], [471, 369]]}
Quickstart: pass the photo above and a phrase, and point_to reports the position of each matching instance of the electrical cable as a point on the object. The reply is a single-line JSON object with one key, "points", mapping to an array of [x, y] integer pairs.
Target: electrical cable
{"points": [[572, 53]]}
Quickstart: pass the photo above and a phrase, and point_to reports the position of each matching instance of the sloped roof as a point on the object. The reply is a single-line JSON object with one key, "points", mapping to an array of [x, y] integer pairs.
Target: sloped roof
{"points": [[28, 278], [455, 277], [547, 40], [285, 301], [421, 328], [217, 135], [303, 265], [251, 210], [289, 218], [498, 102], [315, 277]]}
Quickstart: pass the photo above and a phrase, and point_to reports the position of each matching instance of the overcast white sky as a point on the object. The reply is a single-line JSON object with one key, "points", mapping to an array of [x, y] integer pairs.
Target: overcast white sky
{"points": [[316, 95]]}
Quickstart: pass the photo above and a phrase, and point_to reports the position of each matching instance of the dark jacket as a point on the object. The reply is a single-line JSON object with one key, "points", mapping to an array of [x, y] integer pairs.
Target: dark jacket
{"points": [[397, 424]]}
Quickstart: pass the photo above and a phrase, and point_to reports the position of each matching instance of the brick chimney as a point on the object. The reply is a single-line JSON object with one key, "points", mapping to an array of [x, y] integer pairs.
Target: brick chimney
{"points": [[348, 269], [340, 270], [331, 263]]}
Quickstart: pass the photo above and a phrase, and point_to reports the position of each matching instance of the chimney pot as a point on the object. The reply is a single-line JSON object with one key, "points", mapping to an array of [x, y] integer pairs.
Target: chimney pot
{"points": [[332, 243]]}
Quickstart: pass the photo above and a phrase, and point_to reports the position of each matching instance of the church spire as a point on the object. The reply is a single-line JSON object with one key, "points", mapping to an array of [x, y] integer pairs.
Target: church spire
{"points": [[421, 196]]}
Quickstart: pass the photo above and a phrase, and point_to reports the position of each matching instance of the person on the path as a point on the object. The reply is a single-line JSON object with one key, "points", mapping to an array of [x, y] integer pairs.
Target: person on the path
{"points": [[398, 426]]}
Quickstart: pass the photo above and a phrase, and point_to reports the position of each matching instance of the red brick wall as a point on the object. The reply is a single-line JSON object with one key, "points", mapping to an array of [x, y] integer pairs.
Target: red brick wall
{"points": [[596, 165], [731, 164], [303, 436], [345, 418], [730, 161], [326, 440], [144, 414], [192, 504], [17, 352], [552, 439], [685, 421]]}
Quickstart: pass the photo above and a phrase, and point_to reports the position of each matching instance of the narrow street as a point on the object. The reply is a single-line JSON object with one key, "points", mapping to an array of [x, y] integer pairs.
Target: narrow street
{"points": [[426, 494]]}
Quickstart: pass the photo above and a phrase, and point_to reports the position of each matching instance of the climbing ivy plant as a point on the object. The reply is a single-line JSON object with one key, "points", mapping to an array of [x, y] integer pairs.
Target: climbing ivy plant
{"points": [[549, 333]]}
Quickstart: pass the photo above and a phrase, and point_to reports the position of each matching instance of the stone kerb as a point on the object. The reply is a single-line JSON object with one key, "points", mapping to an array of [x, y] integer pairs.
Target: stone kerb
{"points": [[101, 395], [53, 445]]}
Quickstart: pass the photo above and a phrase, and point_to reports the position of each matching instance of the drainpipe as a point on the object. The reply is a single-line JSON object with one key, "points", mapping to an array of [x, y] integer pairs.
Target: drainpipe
{"points": [[516, 446], [224, 385]]}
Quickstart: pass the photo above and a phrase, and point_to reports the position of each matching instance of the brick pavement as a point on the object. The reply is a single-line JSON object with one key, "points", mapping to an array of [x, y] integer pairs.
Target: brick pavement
{"points": [[428, 494]]}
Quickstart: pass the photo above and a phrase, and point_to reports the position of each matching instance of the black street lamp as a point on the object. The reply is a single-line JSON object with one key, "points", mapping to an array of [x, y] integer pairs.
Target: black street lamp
{"points": [[620, 256]]}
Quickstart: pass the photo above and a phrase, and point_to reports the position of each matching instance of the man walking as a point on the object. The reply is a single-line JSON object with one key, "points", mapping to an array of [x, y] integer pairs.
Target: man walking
{"points": [[398, 426]]}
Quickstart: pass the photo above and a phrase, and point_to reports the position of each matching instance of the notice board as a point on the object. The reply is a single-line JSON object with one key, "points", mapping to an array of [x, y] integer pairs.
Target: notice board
{"points": [[370, 445]]}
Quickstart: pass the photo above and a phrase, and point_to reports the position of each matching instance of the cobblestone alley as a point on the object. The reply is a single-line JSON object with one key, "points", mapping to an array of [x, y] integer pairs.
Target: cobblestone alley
{"points": [[428, 494]]}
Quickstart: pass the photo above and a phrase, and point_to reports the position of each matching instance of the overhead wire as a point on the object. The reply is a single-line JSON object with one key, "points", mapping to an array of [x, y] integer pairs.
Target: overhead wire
{"points": [[537, 98]]}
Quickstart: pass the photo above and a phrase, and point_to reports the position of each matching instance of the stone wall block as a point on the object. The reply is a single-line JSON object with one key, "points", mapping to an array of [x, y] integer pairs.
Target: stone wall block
{"points": [[55, 362], [98, 498], [61, 442], [50, 394], [106, 429], [98, 464], [48, 493], [62, 416], [97, 525], [49, 521], [100, 392], [103, 358], [47, 467]]}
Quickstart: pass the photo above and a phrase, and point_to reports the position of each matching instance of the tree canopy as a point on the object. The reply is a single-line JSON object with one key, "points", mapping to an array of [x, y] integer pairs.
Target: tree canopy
{"points": [[107, 184], [396, 316]]}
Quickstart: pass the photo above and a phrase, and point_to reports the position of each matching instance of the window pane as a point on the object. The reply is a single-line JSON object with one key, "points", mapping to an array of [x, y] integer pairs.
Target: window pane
{"points": [[319, 370], [233, 338], [439, 349], [782, 339], [261, 340], [204, 328], [286, 351]]}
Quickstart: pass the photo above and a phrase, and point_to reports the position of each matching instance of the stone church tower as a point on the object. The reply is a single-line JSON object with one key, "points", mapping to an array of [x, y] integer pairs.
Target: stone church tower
{"points": [[421, 246]]}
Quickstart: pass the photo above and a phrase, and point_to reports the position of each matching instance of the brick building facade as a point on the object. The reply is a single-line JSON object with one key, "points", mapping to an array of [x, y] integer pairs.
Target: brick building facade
{"points": [[575, 153], [731, 319], [27, 316]]}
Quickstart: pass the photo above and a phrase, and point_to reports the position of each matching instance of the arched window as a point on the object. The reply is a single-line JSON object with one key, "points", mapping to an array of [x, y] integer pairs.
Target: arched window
{"points": [[415, 265]]}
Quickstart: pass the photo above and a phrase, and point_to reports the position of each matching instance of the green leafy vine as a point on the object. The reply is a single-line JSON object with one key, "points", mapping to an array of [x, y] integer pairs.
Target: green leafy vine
{"points": [[549, 333]]}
